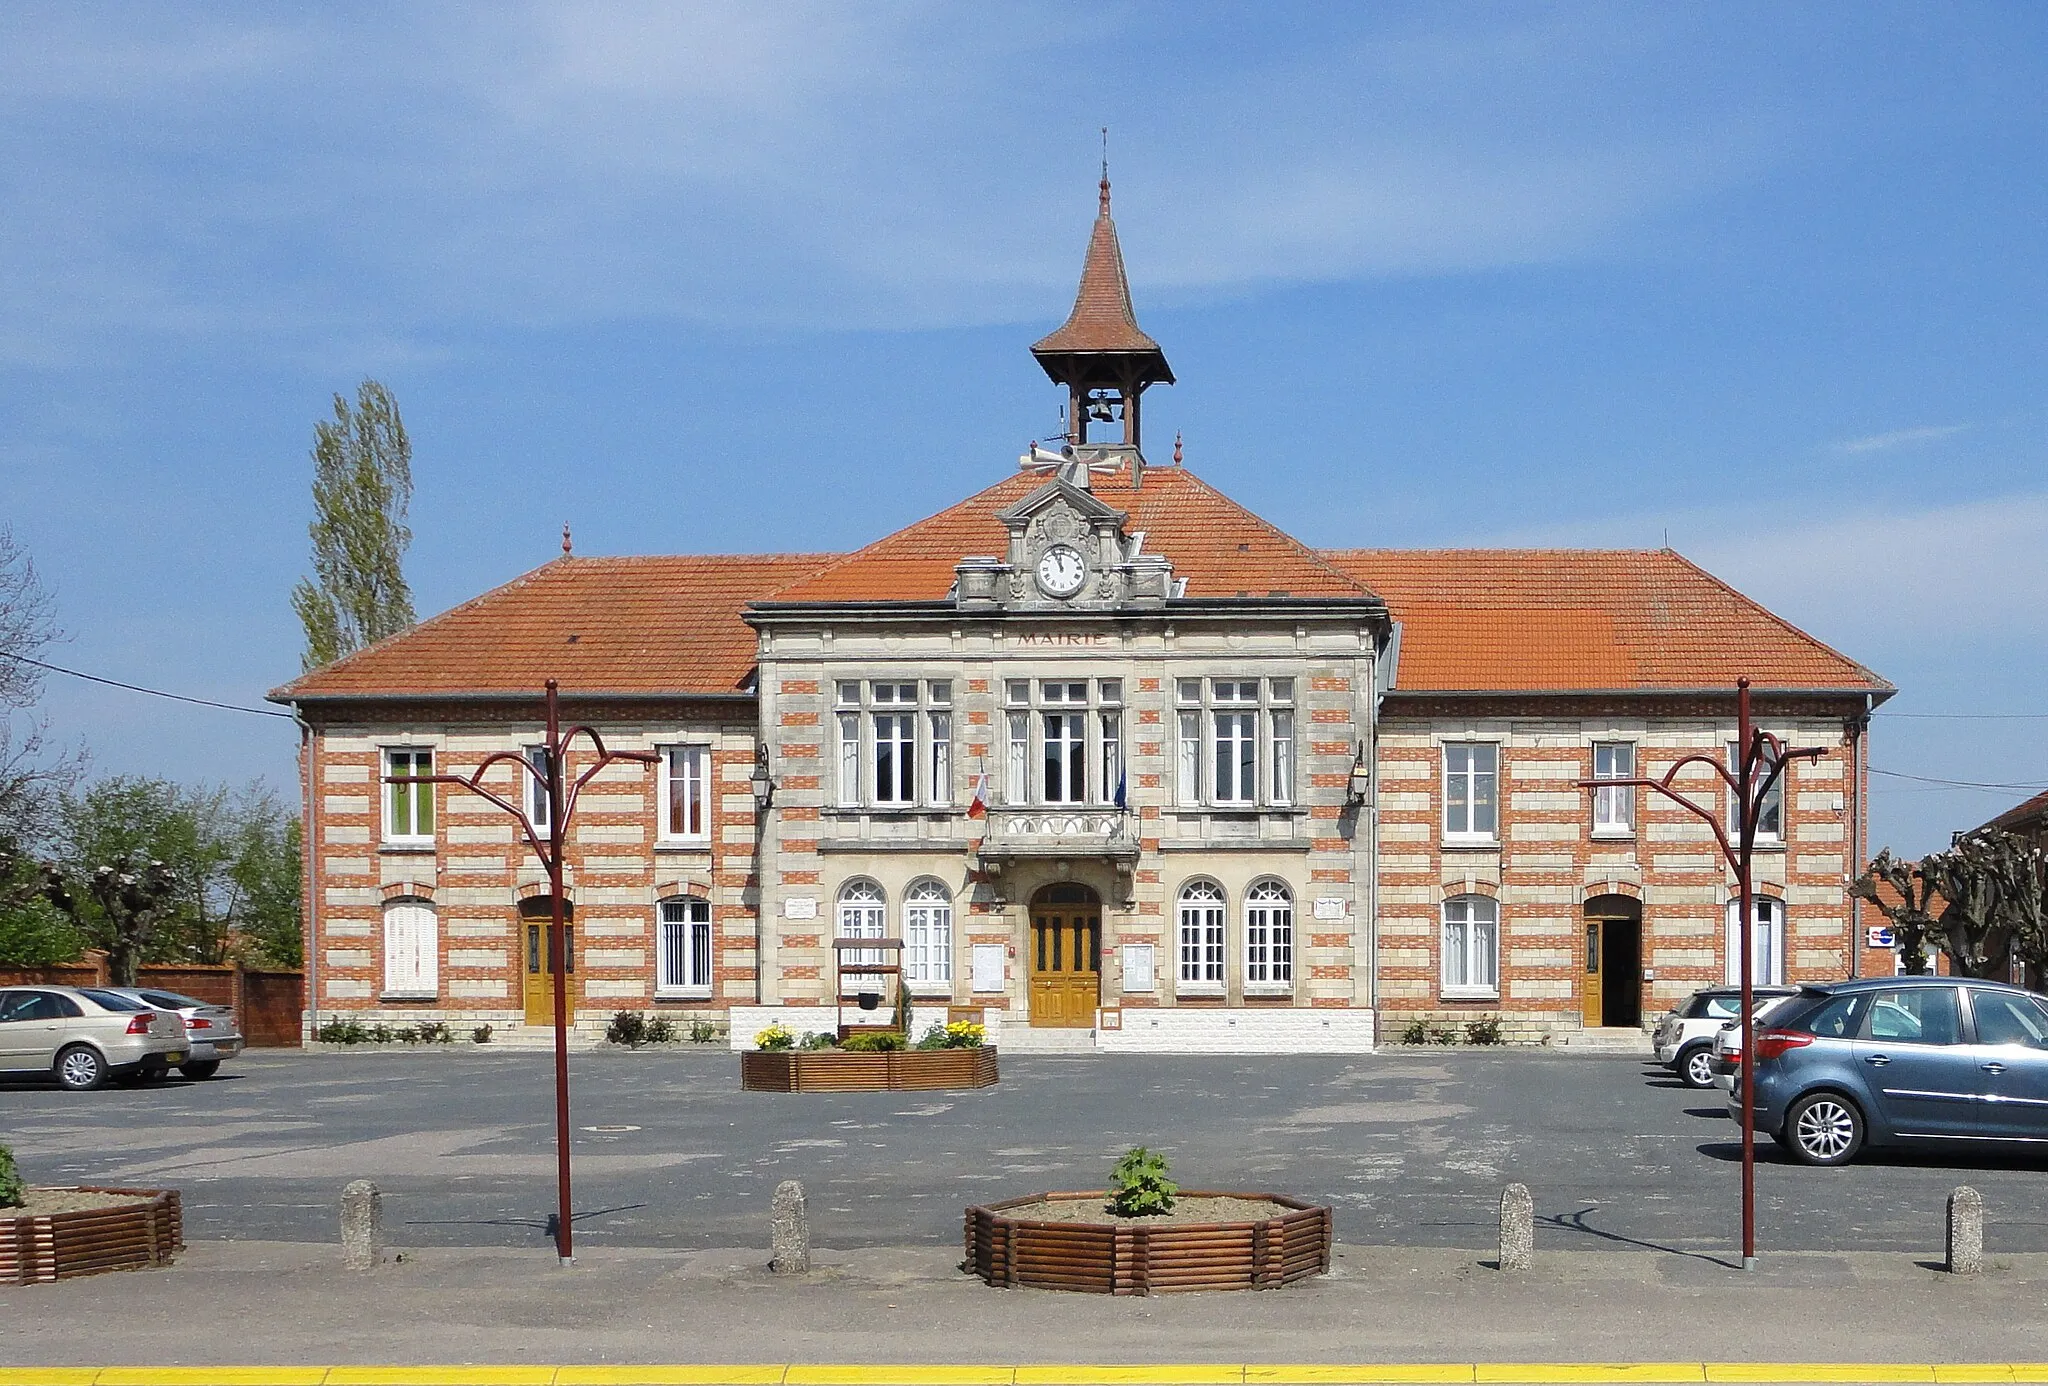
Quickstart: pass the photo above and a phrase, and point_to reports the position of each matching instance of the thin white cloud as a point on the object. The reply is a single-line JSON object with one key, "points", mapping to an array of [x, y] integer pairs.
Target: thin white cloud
{"points": [[1902, 438]]}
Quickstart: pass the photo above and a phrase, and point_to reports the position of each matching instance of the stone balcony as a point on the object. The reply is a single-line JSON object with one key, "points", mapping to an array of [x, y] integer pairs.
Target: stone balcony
{"points": [[1059, 832]]}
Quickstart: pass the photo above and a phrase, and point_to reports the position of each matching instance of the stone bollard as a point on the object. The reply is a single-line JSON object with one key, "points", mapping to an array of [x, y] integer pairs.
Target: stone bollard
{"points": [[362, 1225], [789, 1230], [1965, 1231], [1517, 1227]]}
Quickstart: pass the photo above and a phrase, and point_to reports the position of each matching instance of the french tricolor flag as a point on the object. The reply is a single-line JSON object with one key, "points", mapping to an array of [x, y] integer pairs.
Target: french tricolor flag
{"points": [[977, 807]]}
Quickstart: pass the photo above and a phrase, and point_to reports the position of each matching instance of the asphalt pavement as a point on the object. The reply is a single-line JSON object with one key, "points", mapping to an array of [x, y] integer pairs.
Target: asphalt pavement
{"points": [[1411, 1148]]}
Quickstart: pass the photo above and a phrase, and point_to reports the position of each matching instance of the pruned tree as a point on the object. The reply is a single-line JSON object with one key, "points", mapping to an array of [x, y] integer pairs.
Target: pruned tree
{"points": [[32, 776], [134, 898], [362, 486], [1992, 891], [1907, 907]]}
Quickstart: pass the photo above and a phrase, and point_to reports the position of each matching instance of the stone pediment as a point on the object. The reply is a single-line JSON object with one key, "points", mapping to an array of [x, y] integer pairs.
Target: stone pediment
{"points": [[1067, 551]]}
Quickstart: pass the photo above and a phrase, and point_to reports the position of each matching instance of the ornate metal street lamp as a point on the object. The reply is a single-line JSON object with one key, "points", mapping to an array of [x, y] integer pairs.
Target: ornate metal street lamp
{"points": [[1760, 763], [548, 847]]}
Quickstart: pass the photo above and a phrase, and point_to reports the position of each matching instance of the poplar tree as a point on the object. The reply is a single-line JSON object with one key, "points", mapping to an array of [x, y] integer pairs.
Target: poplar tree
{"points": [[362, 484]]}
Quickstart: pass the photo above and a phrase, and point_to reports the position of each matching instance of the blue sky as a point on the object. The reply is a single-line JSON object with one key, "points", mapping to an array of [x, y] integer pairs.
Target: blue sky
{"points": [[1767, 280]]}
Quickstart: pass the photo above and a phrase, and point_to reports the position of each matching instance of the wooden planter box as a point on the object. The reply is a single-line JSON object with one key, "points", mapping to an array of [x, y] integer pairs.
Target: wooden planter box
{"points": [[57, 1246], [1148, 1258], [831, 1070]]}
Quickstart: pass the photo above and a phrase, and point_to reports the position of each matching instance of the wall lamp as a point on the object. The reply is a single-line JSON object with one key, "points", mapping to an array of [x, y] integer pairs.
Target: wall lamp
{"points": [[1358, 784], [762, 783]]}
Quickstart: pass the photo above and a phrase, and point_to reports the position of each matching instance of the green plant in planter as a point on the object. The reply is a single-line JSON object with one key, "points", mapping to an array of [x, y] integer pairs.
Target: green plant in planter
{"points": [[872, 1042], [775, 1038], [817, 1039], [1138, 1186], [13, 1194], [934, 1038]]}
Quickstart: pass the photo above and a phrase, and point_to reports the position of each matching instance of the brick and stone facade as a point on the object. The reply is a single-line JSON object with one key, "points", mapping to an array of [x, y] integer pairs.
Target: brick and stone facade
{"points": [[1108, 752]]}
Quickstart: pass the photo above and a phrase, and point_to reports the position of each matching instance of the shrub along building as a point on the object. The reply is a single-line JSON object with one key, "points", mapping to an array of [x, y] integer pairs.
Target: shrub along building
{"points": [[1118, 761]]}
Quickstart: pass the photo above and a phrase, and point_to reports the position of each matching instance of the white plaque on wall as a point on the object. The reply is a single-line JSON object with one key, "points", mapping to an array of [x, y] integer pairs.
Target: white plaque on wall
{"points": [[988, 967], [800, 907], [1329, 907], [1138, 967]]}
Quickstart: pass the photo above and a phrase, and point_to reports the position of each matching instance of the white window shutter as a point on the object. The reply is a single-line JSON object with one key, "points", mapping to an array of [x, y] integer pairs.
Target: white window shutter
{"points": [[412, 951]]}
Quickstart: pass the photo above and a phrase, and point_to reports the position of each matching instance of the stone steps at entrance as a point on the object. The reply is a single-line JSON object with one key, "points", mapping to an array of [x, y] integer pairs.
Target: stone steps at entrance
{"points": [[1606, 1040], [1029, 1039]]}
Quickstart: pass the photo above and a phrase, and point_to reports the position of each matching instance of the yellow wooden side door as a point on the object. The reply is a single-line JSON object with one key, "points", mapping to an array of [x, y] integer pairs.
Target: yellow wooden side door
{"points": [[1066, 968], [540, 973]]}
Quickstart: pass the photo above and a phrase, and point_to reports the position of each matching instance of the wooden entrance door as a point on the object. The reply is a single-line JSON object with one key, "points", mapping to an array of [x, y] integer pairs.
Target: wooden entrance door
{"points": [[1066, 957], [1592, 999], [539, 971], [1611, 990]]}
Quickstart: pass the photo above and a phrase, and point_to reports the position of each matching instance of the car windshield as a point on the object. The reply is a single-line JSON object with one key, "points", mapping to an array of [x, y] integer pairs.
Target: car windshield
{"points": [[111, 1000], [170, 1000]]}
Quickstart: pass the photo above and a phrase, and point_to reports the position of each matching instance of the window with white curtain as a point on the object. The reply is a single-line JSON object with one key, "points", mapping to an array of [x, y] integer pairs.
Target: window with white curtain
{"points": [[682, 947], [1200, 932], [685, 793], [1268, 935], [1767, 961], [1471, 946], [412, 950], [535, 778], [1770, 817], [928, 937], [1614, 805]]}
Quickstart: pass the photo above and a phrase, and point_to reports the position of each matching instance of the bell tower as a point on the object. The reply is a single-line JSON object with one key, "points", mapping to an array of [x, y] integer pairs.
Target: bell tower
{"points": [[1101, 355]]}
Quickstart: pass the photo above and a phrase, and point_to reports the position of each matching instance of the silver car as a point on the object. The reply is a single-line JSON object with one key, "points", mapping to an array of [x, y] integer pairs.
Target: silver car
{"points": [[213, 1030], [85, 1035], [1684, 1039]]}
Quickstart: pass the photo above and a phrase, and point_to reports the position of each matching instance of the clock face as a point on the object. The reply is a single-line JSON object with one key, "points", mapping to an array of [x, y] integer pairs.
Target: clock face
{"points": [[1061, 571]]}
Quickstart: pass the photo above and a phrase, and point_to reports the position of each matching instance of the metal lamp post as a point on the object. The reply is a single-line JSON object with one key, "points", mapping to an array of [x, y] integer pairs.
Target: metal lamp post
{"points": [[562, 798], [1760, 762]]}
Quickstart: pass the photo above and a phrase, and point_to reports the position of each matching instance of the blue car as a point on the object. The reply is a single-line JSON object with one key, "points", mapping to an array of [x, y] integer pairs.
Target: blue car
{"points": [[1888, 1060]]}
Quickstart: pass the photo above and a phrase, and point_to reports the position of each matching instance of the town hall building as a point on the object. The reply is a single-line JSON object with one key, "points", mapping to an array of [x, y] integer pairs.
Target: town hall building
{"points": [[1122, 765]]}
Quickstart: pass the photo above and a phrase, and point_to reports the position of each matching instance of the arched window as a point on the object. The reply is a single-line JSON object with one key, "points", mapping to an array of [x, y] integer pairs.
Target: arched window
{"points": [[1767, 963], [1268, 935], [928, 936], [863, 913], [412, 949], [682, 947], [1201, 934], [1471, 946]]}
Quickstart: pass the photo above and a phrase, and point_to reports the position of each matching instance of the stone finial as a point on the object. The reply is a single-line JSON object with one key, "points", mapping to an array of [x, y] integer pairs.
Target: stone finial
{"points": [[362, 1225], [1965, 1231], [789, 1230], [1517, 1227]]}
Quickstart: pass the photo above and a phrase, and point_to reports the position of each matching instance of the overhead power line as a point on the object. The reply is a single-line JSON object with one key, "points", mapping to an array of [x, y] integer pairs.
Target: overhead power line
{"points": [[1970, 716], [1956, 784], [152, 692]]}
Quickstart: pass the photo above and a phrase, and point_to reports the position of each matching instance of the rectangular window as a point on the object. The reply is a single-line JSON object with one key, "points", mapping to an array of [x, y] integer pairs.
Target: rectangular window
{"points": [[408, 808], [849, 759], [1268, 936], [1113, 791], [683, 947], [536, 780], [895, 756], [412, 950], [685, 793], [1471, 963], [941, 724], [928, 938], [1112, 692], [1016, 790], [1237, 759], [1767, 956], [1190, 779], [1066, 758], [1471, 774], [1614, 806], [1282, 725], [1201, 936], [1770, 818]]}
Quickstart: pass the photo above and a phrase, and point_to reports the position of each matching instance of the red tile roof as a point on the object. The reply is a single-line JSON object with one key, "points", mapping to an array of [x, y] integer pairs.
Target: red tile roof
{"points": [[615, 625], [1527, 620], [1222, 549], [2032, 814], [1103, 319]]}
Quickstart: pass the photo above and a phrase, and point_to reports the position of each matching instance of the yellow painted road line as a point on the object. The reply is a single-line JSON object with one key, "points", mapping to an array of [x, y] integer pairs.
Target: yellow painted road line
{"points": [[1808, 1373], [750, 1374], [1970, 1372], [441, 1376], [1362, 1374], [211, 1376], [908, 1375], [1585, 1372], [48, 1376], [1164, 1375]]}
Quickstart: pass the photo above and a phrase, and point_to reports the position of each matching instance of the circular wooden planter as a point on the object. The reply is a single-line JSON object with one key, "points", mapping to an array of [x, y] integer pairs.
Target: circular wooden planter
{"points": [[1140, 1258], [57, 1246], [833, 1070]]}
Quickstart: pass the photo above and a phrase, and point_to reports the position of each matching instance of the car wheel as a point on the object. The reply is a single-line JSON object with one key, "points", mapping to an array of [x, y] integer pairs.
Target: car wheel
{"points": [[1824, 1129], [200, 1068], [1696, 1067], [81, 1069]]}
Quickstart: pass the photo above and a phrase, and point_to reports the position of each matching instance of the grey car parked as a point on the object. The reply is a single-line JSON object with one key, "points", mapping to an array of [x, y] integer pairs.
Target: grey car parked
{"points": [[82, 1036], [1885, 1060], [213, 1030]]}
